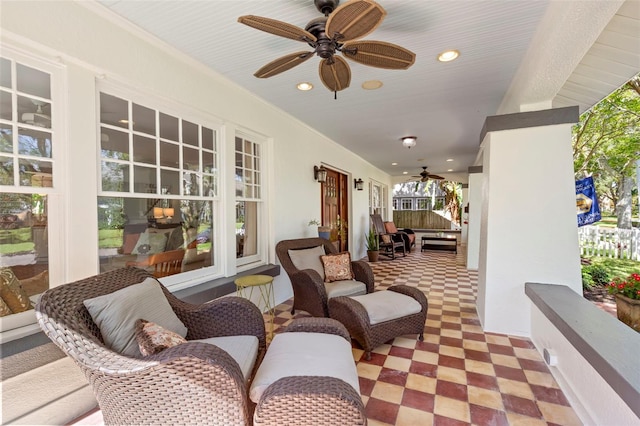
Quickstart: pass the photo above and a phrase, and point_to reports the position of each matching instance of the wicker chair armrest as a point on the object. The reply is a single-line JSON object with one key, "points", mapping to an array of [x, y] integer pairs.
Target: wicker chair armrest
{"points": [[225, 316], [362, 272], [318, 325], [413, 292], [348, 311], [310, 400], [199, 353], [310, 279]]}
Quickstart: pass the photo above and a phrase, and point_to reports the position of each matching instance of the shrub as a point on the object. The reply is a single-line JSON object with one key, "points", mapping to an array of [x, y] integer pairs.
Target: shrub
{"points": [[599, 274], [587, 281]]}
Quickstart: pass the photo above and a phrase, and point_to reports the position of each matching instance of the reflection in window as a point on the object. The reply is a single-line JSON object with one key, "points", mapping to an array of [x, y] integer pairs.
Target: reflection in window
{"points": [[24, 251], [163, 236], [248, 199], [246, 228]]}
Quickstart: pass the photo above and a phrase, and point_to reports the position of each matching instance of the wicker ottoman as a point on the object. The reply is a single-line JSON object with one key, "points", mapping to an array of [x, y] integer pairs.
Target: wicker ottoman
{"points": [[308, 377], [378, 317]]}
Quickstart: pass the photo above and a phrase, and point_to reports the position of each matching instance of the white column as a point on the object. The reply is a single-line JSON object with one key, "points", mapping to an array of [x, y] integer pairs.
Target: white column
{"points": [[528, 218], [474, 217], [464, 217]]}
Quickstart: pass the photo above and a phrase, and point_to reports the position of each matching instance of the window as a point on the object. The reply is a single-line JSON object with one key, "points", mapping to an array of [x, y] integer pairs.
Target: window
{"points": [[423, 204], [378, 199], [158, 187], [249, 205], [406, 204], [396, 204], [29, 144]]}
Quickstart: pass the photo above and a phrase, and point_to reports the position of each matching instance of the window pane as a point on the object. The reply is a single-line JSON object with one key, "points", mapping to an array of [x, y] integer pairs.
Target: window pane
{"points": [[23, 241], [170, 181], [144, 179], [33, 81], [34, 112], [169, 155], [191, 184], [6, 171], [208, 162], [115, 177], [144, 119], [6, 138], [34, 143], [144, 149], [35, 173], [189, 133], [246, 228], [209, 186], [238, 144], [168, 127], [190, 159], [6, 106], [207, 139], [5, 72], [129, 234], [114, 111], [114, 144]]}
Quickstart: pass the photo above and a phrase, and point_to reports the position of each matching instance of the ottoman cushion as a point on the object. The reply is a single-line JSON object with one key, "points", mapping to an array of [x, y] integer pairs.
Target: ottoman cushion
{"points": [[243, 349], [384, 306], [305, 354]]}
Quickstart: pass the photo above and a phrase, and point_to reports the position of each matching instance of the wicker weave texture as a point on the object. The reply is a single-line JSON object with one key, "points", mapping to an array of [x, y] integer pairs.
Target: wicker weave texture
{"points": [[309, 293], [355, 318], [192, 383]]}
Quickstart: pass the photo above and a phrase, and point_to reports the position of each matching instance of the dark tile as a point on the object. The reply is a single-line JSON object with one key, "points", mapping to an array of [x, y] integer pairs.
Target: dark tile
{"points": [[482, 381], [452, 390], [552, 395], [522, 406], [447, 421], [395, 377], [450, 313], [451, 325], [477, 355], [418, 400], [427, 346], [450, 341], [487, 416], [528, 364], [470, 321], [423, 369], [432, 330], [509, 373], [450, 361], [376, 359], [478, 337], [500, 349], [521, 343], [401, 352], [366, 385], [381, 411]]}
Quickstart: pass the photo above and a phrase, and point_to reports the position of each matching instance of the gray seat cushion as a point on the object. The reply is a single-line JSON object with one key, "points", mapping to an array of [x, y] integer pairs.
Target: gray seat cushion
{"points": [[244, 349], [384, 306], [345, 288]]}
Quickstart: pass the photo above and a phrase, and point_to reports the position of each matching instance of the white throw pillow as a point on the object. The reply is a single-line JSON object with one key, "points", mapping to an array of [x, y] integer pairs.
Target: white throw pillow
{"points": [[116, 314], [308, 259]]}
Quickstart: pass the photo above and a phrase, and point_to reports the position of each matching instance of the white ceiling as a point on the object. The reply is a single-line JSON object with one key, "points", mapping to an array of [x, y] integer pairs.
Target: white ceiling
{"points": [[511, 51]]}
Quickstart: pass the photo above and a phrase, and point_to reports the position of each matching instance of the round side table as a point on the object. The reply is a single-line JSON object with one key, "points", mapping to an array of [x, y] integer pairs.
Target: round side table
{"points": [[264, 283]]}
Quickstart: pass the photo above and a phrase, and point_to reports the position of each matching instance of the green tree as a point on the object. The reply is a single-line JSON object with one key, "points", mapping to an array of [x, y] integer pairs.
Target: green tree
{"points": [[452, 199], [606, 144]]}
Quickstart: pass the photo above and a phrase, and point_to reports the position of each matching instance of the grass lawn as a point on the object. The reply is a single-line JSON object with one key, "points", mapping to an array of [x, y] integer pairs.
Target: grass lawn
{"points": [[110, 238]]}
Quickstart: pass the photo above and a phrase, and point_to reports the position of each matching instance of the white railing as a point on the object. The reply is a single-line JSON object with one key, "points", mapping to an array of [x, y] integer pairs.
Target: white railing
{"points": [[609, 242]]}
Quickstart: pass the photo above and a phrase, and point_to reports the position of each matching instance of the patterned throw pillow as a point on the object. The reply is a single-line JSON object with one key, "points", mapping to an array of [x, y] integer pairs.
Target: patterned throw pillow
{"points": [[386, 239], [12, 292], [337, 267], [4, 308], [153, 338]]}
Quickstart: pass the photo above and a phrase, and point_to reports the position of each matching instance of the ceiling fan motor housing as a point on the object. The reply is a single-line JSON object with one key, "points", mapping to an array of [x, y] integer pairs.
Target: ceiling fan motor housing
{"points": [[326, 6], [324, 46]]}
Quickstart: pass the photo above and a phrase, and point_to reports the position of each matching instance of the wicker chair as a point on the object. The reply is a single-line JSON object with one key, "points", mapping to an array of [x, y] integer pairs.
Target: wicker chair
{"points": [[309, 291], [192, 383], [389, 243]]}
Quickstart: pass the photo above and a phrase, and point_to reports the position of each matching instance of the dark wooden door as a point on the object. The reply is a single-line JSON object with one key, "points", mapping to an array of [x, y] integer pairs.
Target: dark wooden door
{"points": [[335, 208]]}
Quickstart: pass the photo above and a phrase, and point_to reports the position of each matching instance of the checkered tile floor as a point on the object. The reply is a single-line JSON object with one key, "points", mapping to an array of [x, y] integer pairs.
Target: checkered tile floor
{"points": [[459, 375]]}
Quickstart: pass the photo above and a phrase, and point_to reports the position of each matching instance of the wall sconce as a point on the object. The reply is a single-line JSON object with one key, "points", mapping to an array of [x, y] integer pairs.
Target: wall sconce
{"points": [[409, 141], [163, 214], [358, 184], [320, 174]]}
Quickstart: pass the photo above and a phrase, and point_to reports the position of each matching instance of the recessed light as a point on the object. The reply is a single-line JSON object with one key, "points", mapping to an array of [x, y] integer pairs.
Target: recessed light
{"points": [[405, 173], [448, 55], [372, 84], [394, 164], [304, 86], [449, 159], [123, 121], [449, 170]]}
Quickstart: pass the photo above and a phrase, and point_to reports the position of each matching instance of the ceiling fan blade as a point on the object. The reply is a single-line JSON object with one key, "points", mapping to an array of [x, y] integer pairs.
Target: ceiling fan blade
{"points": [[335, 73], [278, 28], [435, 177], [354, 19], [379, 54], [282, 64]]}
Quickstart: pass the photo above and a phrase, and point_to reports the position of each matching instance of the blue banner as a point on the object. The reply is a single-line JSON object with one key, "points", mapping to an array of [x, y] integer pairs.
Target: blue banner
{"points": [[587, 202]]}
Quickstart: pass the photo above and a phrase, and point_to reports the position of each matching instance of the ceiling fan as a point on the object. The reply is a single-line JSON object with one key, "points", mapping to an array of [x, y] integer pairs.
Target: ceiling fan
{"points": [[425, 175], [336, 31], [37, 118]]}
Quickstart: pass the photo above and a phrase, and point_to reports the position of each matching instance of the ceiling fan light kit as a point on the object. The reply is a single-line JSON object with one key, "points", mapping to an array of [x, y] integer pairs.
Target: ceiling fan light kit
{"points": [[337, 31]]}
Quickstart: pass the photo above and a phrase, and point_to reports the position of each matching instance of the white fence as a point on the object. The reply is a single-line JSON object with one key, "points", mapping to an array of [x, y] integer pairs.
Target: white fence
{"points": [[609, 242]]}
